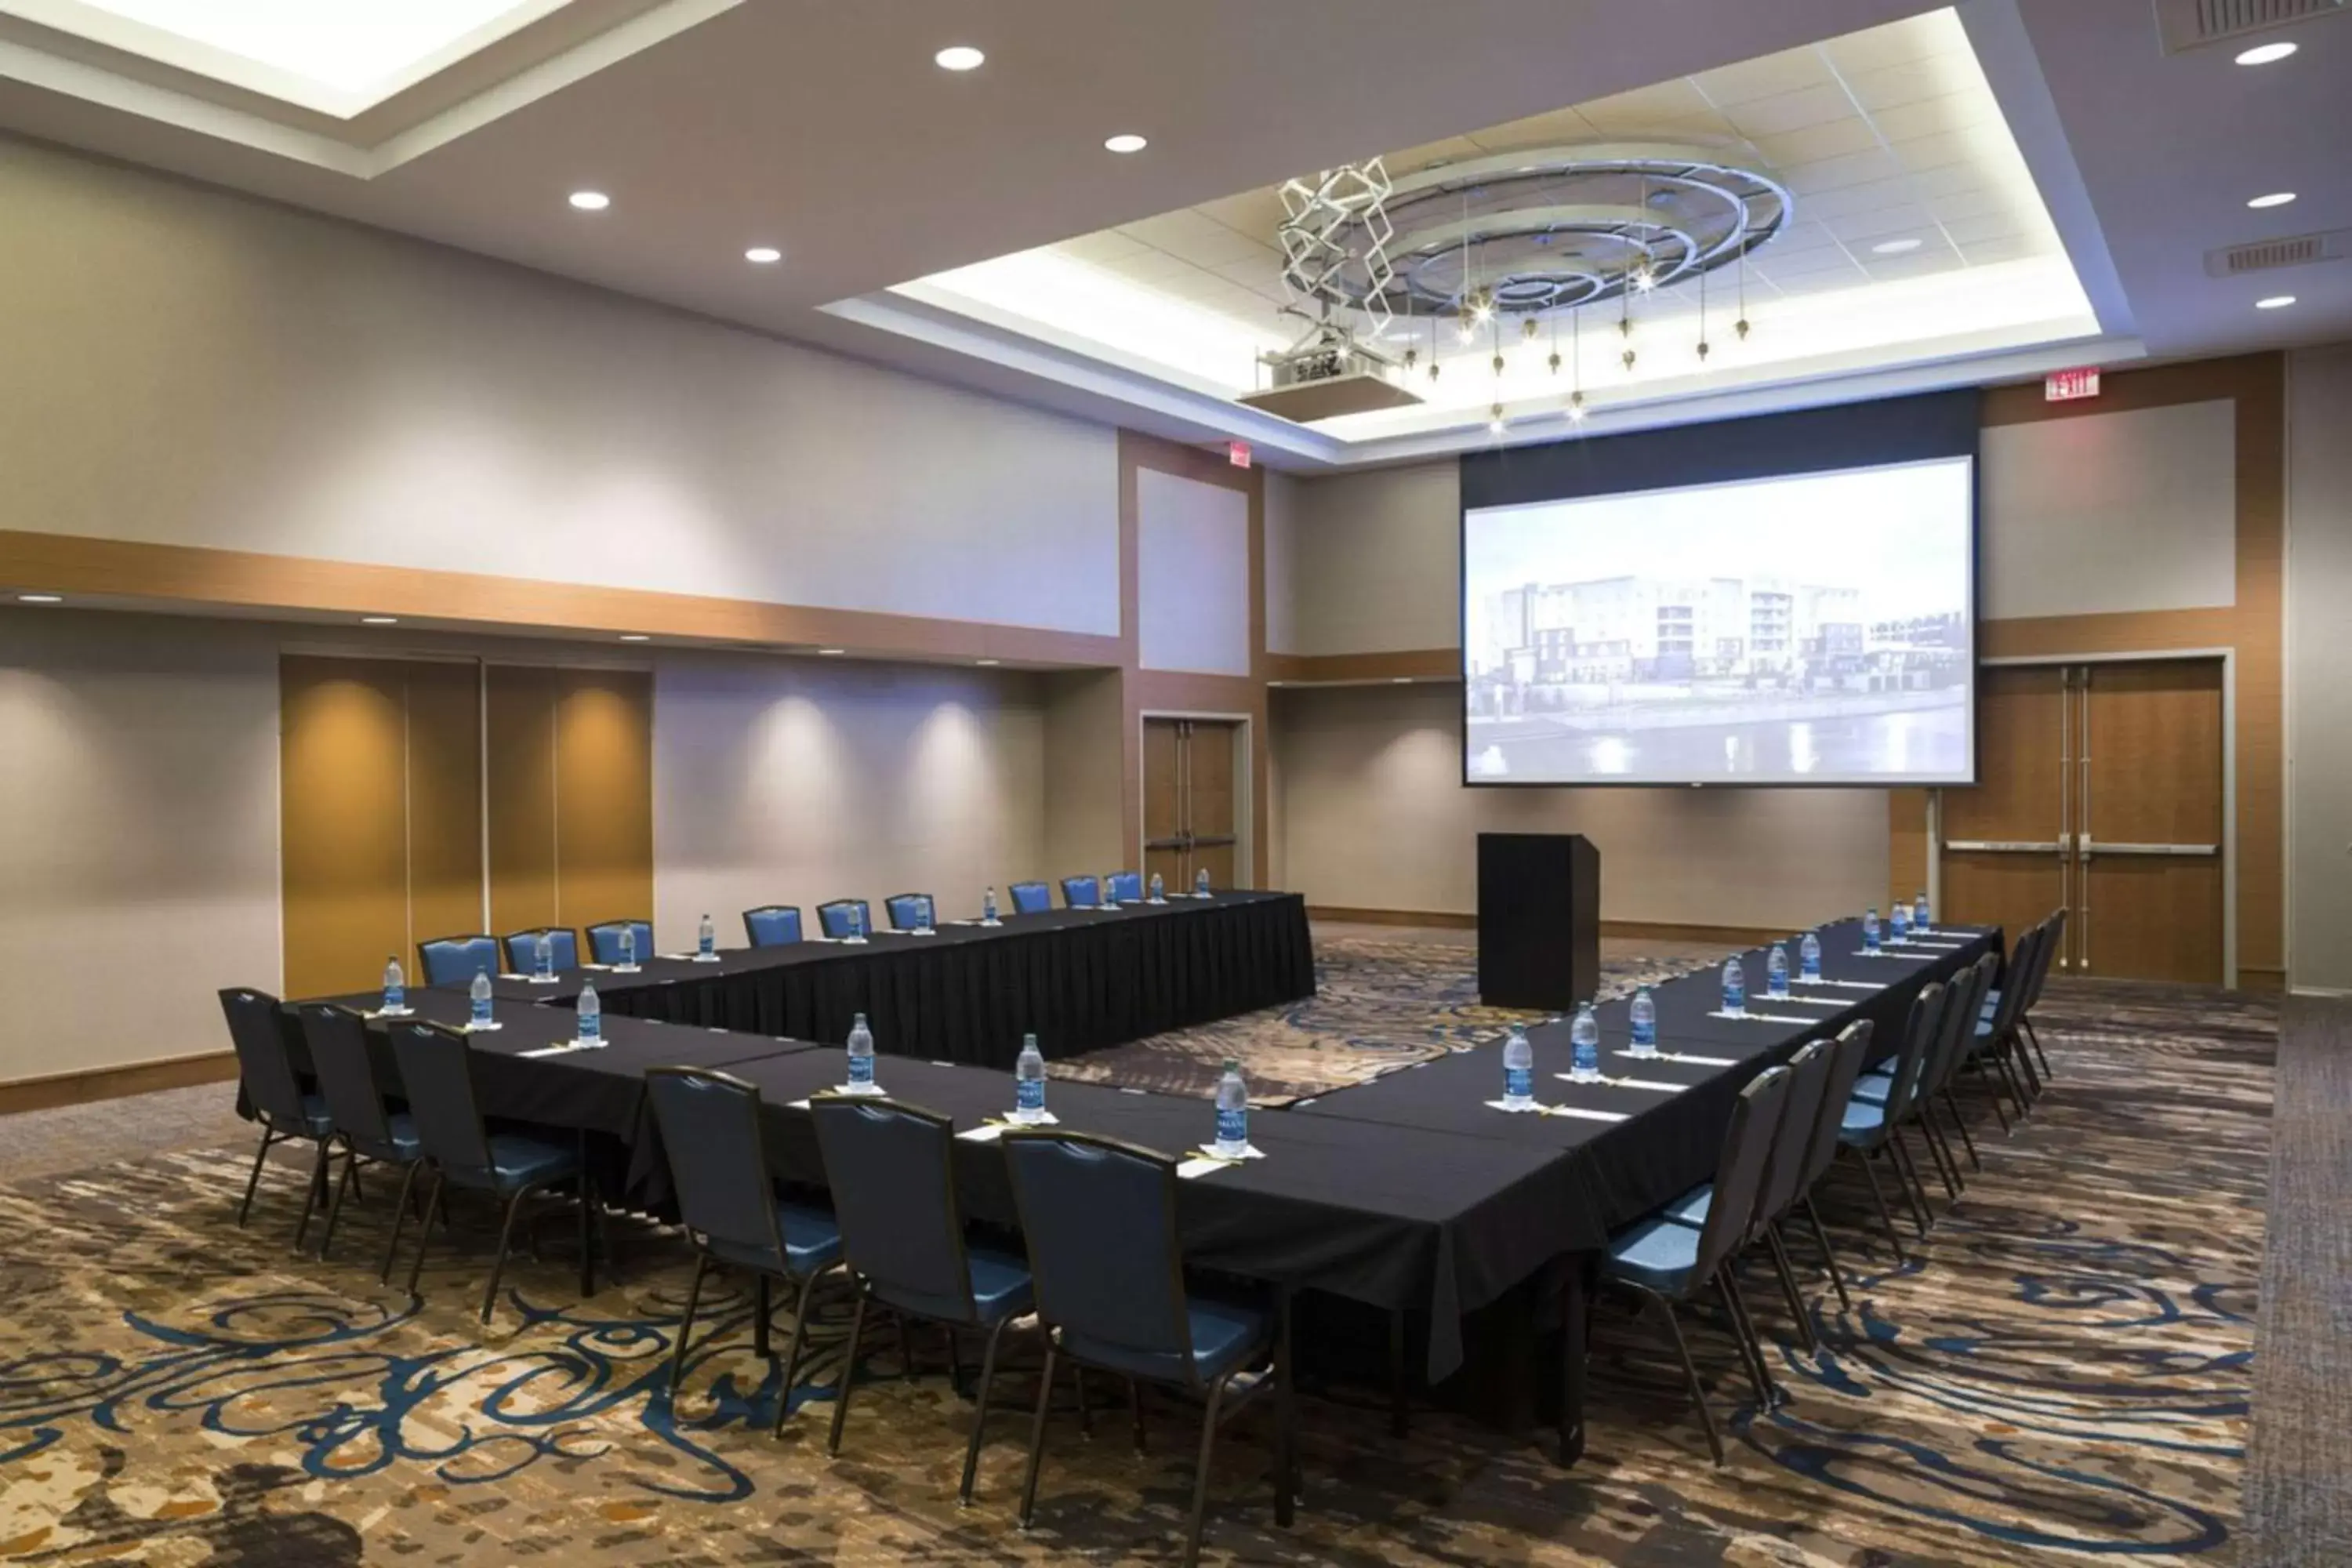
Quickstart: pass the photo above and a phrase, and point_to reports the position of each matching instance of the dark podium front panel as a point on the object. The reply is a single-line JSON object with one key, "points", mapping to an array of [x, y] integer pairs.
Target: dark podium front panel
{"points": [[1538, 919]]}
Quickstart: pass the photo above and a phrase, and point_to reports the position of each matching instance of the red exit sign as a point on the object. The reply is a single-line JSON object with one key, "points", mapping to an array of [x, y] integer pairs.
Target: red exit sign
{"points": [[2066, 385], [1237, 453]]}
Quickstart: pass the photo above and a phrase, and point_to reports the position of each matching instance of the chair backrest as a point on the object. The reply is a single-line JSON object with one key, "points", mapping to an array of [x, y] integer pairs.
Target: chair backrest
{"points": [[1784, 1167], [1126, 887], [911, 911], [256, 1030], [455, 960], [718, 1163], [1740, 1168], [1101, 1221], [338, 1055], [1921, 1031], [1848, 1052], [844, 916], [1081, 892], [1962, 1008], [1032, 898], [2053, 942], [2017, 978], [605, 940], [772, 925], [437, 1069], [563, 949], [891, 1169]]}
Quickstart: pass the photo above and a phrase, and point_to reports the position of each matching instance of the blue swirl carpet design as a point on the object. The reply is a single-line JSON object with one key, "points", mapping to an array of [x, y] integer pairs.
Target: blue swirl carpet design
{"points": [[2060, 1375]]}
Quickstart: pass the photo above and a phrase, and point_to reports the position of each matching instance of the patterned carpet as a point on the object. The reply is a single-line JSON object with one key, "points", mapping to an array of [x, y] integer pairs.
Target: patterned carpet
{"points": [[2061, 1374]]}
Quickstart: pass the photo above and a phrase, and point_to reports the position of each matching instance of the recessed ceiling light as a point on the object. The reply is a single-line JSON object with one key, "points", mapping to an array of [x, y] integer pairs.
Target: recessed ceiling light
{"points": [[2276, 199], [591, 200], [2264, 54], [40, 598], [379, 620], [2275, 302], [1126, 141], [831, 652], [635, 637], [763, 255], [958, 58], [987, 663], [1894, 247]]}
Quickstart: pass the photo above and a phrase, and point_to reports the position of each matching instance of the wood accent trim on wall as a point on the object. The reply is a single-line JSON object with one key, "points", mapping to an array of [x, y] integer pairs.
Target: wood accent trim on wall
{"points": [[92, 1084], [131, 574], [1365, 668]]}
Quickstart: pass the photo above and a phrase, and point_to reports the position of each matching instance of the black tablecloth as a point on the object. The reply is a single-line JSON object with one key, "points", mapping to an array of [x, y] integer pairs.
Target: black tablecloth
{"points": [[1077, 979]]}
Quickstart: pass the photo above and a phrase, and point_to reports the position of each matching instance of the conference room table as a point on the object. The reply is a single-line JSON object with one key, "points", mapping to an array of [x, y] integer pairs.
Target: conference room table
{"points": [[1077, 979]]}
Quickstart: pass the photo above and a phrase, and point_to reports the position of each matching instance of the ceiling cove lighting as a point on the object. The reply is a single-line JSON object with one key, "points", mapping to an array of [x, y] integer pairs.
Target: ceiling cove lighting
{"points": [[1894, 247], [2265, 54], [590, 201], [40, 598], [958, 58], [763, 256], [2276, 199], [1126, 142], [2275, 302]]}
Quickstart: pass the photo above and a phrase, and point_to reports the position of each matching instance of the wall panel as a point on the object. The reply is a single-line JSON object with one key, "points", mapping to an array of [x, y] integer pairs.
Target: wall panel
{"points": [[520, 797], [344, 815], [444, 797], [604, 796]]}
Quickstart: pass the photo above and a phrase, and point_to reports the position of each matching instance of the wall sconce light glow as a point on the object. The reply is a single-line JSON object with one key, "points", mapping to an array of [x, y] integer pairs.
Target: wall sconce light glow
{"points": [[379, 620], [831, 652], [958, 58], [591, 200], [988, 663], [2265, 54], [40, 598], [1894, 247], [763, 256], [636, 637], [1126, 142], [1400, 681], [2276, 199], [2275, 302]]}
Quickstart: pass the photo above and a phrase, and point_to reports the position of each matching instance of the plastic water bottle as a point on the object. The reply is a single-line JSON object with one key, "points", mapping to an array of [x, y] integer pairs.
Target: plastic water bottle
{"points": [[988, 908], [1809, 957], [861, 1055], [1200, 883], [1776, 971], [1870, 931], [1518, 1070], [542, 957], [395, 987], [857, 922], [1029, 1082], [628, 948], [1159, 890], [1735, 987], [1919, 914], [1585, 1046], [480, 995], [1109, 892], [706, 939], [1900, 917], [1644, 1015], [592, 1016], [1233, 1114]]}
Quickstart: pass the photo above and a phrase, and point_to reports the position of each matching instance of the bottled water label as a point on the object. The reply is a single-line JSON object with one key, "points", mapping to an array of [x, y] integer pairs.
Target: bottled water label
{"points": [[1645, 1033], [396, 998], [1809, 961], [481, 1010], [1519, 1084], [1735, 996], [1029, 1096], [1232, 1127], [861, 1069]]}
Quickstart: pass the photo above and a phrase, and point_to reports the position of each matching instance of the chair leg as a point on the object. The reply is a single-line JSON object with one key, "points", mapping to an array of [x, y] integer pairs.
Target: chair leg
{"points": [[2026, 1025], [763, 1309], [1885, 1218], [1992, 1091], [1906, 1176], [1797, 1307], [313, 1198], [1952, 1104], [906, 1346], [848, 1375], [1135, 1414], [2008, 1060], [1037, 1437], [499, 1260], [399, 1219], [1085, 1409], [955, 1358], [1690, 1373], [424, 1233], [1286, 1419], [980, 1414], [260, 1157], [2028, 1075], [1200, 1475], [347, 1183], [1828, 1254], [1743, 1333], [686, 1325], [793, 1355], [1923, 1118]]}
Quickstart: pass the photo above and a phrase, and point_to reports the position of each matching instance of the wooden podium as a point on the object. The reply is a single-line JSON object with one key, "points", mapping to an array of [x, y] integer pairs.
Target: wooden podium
{"points": [[1538, 919]]}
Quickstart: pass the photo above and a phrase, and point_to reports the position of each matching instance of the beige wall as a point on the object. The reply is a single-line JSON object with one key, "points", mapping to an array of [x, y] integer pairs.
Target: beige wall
{"points": [[1192, 575], [1376, 818], [138, 833], [1084, 763], [1375, 561], [2319, 668], [188, 367]]}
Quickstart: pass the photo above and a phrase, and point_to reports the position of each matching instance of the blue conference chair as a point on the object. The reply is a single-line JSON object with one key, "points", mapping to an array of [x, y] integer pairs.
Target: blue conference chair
{"points": [[1870, 1127], [911, 911], [843, 917], [338, 1055], [1126, 887], [455, 960], [563, 949], [1847, 1053], [1953, 1032], [1081, 892], [437, 1069], [892, 1169], [285, 1109], [1032, 898], [605, 940], [772, 925], [1997, 1039], [710, 1125], [1664, 1261], [1101, 1221]]}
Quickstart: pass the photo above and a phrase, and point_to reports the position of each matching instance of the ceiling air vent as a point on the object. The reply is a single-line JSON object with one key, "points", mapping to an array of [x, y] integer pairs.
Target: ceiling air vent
{"points": [[2269, 255], [2192, 24]]}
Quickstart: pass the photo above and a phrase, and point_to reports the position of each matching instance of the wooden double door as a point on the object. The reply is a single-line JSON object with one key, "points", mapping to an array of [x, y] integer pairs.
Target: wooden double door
{"points": [[1191, 800], [2102, 792]]}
